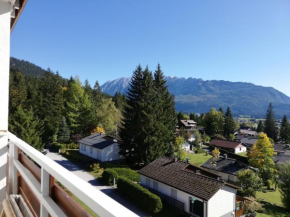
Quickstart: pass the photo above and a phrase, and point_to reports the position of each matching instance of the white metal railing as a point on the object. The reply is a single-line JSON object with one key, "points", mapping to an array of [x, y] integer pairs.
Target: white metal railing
{"points": [[97, 201]]}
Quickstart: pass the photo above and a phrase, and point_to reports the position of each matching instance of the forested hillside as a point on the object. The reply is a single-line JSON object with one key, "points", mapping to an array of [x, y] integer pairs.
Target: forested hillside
{"points": [[44, 107], [26, 67]]}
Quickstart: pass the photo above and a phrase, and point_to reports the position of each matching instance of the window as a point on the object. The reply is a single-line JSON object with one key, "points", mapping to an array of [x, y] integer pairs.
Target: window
{"points": [[174, 193], [84, 147], [91, 150], [239, 205], [155, 186], [148, 183]]}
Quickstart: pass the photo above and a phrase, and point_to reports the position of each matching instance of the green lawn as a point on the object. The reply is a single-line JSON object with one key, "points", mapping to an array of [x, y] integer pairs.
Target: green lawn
{"points": [[244, 154], [272, 204], [198, 159]]}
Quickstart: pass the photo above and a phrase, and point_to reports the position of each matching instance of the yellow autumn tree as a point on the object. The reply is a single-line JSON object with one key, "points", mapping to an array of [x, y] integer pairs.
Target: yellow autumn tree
{"points": [[98, 129], [261, 157], [216, 153]]}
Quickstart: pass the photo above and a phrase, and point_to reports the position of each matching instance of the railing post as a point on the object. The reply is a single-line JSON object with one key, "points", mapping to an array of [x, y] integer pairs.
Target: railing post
{"points": [[13, 177], [45, 188]]}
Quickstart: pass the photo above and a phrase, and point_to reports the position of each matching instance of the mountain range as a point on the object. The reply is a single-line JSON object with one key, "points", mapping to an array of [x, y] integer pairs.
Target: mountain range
{"points": [[199, 96]]}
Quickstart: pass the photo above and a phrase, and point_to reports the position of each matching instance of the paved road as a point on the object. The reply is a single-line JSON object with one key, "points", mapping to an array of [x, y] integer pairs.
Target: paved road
{"points": [[111, 192]]}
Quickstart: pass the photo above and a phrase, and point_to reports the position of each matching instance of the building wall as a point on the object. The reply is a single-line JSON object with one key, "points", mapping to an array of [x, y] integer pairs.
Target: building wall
{"points": [[223, 203], [5, 9], [107, 154], [240, 150], [111, 153], [165, 189], [87, 151]]}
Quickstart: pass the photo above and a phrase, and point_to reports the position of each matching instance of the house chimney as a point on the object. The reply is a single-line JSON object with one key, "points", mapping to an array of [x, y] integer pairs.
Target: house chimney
{"points": [[175, 159], [226, 156], [187, 160], [197, 172]]}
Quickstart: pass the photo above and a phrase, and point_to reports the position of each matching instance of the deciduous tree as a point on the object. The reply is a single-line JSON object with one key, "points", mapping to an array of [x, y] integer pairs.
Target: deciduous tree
{"points": [[261, 157]]}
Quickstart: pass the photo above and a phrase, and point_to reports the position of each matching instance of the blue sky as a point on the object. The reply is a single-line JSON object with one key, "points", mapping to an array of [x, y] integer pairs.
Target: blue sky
{"points": [[102, 40]]}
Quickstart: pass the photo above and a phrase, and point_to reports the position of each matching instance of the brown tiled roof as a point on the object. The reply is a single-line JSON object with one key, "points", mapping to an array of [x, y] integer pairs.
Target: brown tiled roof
{"points": [[183, 176], [225, 144]]}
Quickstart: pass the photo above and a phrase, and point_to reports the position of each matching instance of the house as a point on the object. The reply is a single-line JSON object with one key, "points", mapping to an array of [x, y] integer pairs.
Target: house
{"points": [[188, 125], [201, 192], [282, 158], [226, 167], [101, 147], [248, 132], [232, 146], [249, 142], [281, 148]]}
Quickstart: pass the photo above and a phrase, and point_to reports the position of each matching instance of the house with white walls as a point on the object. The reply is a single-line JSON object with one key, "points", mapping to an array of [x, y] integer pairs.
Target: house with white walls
{"points": [[100, 147], [231, 146], [202, 193]]}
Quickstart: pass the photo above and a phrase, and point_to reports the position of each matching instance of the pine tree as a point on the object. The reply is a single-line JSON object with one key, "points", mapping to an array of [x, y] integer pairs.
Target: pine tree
{"points": [[260, 127], [270, 126], [229, 127], [165, 113], [285, 130], [63, 133], [144, 132], [27, 127], [49, 107]]}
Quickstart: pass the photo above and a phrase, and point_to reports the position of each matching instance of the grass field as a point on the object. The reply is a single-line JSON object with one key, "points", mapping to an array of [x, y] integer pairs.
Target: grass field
{"points": [[198, 159], [244, 154], [272, 204]]}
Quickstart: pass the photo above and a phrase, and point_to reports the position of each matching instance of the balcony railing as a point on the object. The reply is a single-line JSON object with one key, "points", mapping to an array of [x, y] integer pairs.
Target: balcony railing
{"points": [[32, 175]]}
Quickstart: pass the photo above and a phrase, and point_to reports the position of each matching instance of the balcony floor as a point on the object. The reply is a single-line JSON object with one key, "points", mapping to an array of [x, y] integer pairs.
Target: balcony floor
{"points": [[109, 191]]}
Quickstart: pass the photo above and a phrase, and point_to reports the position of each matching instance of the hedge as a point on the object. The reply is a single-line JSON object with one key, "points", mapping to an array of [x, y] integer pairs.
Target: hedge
{"points": [[128, 173], [108, 176], [140, 195]]}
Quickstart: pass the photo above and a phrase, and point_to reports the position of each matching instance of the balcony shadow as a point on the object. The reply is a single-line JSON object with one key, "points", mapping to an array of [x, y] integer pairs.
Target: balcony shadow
{"points": [[68, 165], [125, 201]]}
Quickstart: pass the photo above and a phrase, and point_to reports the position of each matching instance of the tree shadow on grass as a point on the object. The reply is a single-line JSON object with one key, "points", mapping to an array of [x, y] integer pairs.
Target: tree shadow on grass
{"points": [[274, 210]]}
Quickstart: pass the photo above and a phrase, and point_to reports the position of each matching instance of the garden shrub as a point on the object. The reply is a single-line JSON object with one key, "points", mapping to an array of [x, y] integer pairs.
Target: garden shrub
{"points": [[140, 195], [199, 151], [128, 173], [108, 176]]}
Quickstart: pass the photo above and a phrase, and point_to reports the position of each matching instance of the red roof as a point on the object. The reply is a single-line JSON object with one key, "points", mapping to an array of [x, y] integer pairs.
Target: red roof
{"points": [[225, 143]]}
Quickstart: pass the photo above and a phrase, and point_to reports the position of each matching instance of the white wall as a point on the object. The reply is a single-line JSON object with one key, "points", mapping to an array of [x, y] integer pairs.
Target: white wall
{"points": [[5, 10], [165, 189], [240, 150], [223, 203], [111, 153]]}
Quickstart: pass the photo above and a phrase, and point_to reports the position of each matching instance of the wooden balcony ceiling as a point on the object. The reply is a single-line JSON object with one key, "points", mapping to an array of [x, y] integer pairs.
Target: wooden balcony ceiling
{"points": [[17, 10]]}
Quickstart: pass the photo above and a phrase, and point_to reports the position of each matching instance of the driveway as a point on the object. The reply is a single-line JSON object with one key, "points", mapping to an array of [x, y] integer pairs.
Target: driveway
{"points": [[108, 190]]}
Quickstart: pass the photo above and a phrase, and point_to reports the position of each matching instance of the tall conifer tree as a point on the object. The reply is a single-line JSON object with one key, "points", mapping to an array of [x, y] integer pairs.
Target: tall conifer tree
{"points": [[285, 130], [144, 133], [229, 127], [166, 118], [270, 126]]}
